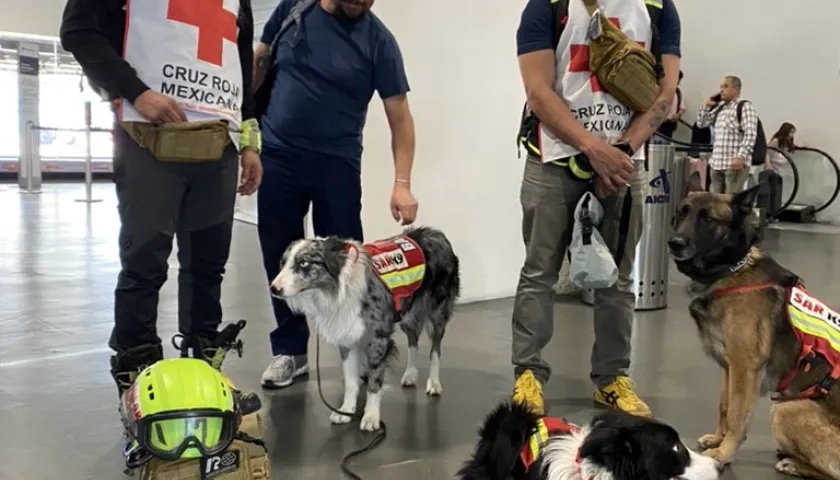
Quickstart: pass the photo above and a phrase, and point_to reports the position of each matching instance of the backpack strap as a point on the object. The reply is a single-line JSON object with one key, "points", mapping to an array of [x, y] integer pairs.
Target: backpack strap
{"points": [[654, 9], [293, 18], [739, 113], [560, 15]]}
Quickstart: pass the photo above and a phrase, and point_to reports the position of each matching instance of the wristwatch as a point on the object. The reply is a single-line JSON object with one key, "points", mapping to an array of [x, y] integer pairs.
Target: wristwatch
{"points": [[625, 147]]}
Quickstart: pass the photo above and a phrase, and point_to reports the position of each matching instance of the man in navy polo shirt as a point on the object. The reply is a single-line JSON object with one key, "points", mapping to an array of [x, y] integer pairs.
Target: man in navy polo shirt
{"points": [[328, 67]]}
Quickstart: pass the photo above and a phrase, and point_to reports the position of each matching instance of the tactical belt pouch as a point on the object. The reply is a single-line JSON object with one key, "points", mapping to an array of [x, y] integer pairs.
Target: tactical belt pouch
{"points": [[624, 68], [181, 142], [253, 463]]}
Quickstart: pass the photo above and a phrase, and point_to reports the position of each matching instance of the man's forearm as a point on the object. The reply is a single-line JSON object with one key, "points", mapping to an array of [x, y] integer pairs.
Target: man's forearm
{"points": [[644, 125], [402, 146], [556, 116]]}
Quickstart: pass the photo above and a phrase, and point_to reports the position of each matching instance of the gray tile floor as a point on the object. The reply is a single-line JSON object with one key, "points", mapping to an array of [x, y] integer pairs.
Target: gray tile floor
{"points": [[57, 405]]}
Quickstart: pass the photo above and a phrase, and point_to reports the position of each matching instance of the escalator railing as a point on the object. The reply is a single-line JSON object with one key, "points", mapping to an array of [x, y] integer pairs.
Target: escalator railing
{"points": [[787, 164], [812, 164]]}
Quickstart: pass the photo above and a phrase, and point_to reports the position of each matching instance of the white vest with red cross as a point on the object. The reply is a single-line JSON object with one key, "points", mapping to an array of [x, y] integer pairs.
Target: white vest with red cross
{"points": [[598, 111], [187, 50]]}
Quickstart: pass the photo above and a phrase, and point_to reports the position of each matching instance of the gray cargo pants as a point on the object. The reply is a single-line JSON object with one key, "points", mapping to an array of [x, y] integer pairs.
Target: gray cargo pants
{"points": [[728, 181], [549, 196], [156, 202]]}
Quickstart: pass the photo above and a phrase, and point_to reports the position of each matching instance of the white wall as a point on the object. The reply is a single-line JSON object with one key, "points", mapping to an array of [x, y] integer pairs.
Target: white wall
{"points": [[466, 98], [35, 17]]}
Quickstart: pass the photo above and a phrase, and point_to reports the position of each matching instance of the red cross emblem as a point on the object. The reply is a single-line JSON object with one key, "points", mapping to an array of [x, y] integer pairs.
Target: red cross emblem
{"points": [[214, 24], [579, 62]]}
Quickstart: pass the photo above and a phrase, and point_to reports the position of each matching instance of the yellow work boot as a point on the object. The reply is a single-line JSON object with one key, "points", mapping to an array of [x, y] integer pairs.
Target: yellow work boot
{"points": [[528, 392], [620, 395]]}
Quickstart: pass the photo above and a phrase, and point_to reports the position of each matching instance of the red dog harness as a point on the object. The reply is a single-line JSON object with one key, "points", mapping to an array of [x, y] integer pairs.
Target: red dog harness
{"points": [[400, 264], [815, 325], [547, 427]]}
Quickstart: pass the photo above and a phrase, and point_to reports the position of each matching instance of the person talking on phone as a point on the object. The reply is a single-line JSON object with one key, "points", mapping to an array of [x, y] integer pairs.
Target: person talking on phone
{"points": [[734, 140], [579, 137]]}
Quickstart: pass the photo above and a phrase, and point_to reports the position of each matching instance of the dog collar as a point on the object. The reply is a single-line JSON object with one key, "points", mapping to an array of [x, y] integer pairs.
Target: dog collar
{"points": [[740, 263], [579, 465], [545, 428]]}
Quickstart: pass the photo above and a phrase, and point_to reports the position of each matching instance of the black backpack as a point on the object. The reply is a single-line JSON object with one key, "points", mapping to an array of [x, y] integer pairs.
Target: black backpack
{"points": [[529, 123], [760, 148]]}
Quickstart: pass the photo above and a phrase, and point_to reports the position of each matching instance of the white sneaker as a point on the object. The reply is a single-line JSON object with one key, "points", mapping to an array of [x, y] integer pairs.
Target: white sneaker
{"points": [[283, 370]]}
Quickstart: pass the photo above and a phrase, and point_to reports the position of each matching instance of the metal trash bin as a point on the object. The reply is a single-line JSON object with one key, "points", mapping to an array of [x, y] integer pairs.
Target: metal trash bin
{"points": [[665, 183]]}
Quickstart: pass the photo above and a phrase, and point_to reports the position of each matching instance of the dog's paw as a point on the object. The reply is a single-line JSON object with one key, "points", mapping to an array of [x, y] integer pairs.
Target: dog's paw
{"points": [[788, 466], [370, 422], [338, 419], [710, 440], [718, 455], [433, 387], [409, 378]]}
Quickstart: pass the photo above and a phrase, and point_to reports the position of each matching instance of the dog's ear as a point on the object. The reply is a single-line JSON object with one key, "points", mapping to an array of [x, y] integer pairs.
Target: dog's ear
{"points": [[742, 203], [501, 438], [614, 448], [694, 184], [335, 255]]}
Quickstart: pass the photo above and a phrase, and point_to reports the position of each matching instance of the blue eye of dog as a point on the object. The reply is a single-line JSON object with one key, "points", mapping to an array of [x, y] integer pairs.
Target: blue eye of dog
{"points": [[303, 264]]}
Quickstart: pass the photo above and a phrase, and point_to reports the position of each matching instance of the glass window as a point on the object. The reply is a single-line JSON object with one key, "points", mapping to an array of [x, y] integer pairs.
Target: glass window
{"points": [[62, 106], [9, 135]]}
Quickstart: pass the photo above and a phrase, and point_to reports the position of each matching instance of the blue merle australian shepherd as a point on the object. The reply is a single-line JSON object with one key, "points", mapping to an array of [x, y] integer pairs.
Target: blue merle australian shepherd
{"points": [[355, 295]]}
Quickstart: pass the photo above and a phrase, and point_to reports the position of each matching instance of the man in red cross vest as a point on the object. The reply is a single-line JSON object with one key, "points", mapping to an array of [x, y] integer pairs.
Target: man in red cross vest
{"points": [[179, 72], [580, 124]]}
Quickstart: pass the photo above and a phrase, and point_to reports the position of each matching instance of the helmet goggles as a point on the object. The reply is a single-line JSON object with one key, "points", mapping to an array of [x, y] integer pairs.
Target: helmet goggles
{"points": [[186, 434]]}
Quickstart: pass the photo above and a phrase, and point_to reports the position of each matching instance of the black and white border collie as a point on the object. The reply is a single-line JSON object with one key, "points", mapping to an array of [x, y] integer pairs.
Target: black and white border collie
{"points": [[613, 446], [333, 283]]}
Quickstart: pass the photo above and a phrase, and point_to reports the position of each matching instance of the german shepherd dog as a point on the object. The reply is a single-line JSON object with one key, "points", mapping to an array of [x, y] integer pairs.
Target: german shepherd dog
{"points": [[740, 303]]}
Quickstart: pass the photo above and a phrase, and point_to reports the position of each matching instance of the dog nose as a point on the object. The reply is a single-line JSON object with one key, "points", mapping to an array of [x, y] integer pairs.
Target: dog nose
{"points": [[277, 292], [677, 243]]}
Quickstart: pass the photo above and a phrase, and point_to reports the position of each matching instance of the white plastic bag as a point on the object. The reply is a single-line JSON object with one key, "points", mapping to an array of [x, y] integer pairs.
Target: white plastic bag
{"points": [[592, 265]]}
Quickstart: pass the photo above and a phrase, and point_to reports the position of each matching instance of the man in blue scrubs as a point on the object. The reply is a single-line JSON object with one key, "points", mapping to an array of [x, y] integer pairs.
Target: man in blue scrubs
{"points": [[328, 68]]}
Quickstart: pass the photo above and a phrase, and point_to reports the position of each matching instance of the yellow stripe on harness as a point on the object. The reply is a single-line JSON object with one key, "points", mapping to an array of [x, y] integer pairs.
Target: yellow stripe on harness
{"points": [[538, 439], [814, 326], [404, 278]]}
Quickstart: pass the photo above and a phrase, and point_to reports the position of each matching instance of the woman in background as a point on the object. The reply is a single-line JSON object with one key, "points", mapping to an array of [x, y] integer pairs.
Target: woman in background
{"points": [[777, 174], [783, 140]]}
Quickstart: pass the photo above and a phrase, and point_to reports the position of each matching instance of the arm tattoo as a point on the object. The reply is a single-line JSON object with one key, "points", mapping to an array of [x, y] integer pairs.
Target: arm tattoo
{"points": [[660, 111]]}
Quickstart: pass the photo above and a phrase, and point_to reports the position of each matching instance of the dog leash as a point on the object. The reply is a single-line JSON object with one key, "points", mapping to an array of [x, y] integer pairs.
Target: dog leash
{"points": [[375, 441]]}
